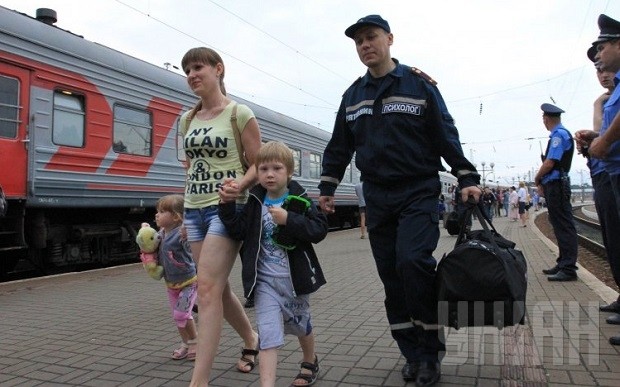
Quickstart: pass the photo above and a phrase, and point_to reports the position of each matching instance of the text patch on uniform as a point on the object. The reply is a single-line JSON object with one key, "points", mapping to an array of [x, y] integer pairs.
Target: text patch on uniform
{"points": [[359, 109], [403, 105]]}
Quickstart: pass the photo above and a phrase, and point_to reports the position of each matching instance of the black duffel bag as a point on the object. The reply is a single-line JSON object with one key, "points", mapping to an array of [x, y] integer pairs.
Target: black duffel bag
{"points": [[483, 281]]}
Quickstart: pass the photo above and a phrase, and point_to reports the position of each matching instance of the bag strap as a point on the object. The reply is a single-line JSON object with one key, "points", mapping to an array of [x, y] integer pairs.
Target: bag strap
{"points": [[237, 134], [187, 118]]}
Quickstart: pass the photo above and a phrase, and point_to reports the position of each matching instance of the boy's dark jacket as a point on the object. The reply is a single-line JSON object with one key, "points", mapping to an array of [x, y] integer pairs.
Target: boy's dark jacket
{"points": [[306, 273]]}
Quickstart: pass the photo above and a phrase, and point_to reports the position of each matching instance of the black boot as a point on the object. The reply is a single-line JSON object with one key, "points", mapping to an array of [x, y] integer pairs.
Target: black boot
{"points": [[428, 374]]}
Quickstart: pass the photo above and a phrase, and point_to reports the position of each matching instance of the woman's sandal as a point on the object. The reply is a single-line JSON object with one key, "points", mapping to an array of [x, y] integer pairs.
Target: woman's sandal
{"points": [[248, 363], [310, 379], [181, 352]]}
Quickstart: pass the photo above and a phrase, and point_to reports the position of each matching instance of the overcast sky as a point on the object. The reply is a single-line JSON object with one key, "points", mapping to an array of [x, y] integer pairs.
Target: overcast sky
{"points": [[495, 61]]}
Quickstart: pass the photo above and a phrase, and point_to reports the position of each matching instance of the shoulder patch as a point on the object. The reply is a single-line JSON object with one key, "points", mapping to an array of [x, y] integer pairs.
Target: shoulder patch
{"points": [[423, 75]]}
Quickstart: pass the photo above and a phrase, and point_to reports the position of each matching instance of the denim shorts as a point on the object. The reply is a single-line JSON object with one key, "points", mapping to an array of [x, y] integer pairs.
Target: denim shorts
{"points": [[202, 221]]}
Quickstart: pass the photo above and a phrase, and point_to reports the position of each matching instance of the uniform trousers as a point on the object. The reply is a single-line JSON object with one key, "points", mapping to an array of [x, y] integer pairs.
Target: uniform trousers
{"points": [[614, 181], [609, 218], [557, 195], [402, 221]]}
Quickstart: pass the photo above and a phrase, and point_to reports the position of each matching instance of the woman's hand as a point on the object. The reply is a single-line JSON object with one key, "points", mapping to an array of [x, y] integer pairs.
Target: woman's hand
{"points": [[229, 191]]}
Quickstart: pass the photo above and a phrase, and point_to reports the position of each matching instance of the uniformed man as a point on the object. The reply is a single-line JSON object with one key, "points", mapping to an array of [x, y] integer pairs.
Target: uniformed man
{"points": [[554, 184], [396, 122], [606, 146]]}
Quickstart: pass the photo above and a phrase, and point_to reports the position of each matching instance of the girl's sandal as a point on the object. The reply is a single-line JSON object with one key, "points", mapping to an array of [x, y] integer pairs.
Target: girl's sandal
{"points": [[310, 378], [191, 350], [180, 353]]}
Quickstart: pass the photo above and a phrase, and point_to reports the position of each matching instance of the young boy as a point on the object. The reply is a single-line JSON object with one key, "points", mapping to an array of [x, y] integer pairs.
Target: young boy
{"points": [[280, 267], [179, 272]]}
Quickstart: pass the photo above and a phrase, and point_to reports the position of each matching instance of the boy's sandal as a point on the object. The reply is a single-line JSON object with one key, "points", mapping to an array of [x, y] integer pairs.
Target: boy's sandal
{"points": [[180, 353], [247, 362], [310, 379]]}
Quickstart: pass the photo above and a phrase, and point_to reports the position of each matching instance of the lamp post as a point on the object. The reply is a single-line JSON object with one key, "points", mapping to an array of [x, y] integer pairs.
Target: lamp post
{"points": [[486, 171]]}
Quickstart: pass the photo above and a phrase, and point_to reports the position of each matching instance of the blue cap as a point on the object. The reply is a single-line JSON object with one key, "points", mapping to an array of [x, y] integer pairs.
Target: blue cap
{"points": [[551, 110], [610, 29], [370, 20]]}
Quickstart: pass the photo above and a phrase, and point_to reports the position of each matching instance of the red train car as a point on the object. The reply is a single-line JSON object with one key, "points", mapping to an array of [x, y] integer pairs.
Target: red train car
{"points": [[89, 141]]}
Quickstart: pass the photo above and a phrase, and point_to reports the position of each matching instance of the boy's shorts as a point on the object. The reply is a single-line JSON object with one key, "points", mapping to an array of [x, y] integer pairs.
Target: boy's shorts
{"points": [[279, 313]]}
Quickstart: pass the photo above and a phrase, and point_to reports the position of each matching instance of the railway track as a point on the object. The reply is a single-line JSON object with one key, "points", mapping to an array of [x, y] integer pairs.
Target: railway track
{"points": [[591, 252], [589, 233]]}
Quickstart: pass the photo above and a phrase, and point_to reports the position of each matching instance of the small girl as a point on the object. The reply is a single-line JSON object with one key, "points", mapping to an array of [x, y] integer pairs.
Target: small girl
{"points": [[179, 272]]}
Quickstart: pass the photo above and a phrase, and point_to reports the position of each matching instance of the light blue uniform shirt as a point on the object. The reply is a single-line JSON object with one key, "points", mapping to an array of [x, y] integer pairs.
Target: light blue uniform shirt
{"points": [[610, 110], [560, 142]]}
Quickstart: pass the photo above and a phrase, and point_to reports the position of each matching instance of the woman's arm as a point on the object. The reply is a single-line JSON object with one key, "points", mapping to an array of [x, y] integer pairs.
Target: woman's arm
{"points": [[251, 140]]}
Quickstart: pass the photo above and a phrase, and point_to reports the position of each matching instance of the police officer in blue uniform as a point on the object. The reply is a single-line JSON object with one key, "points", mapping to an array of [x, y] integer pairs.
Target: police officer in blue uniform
{"points": [[606, 146], [396, 122], [554, 184]]}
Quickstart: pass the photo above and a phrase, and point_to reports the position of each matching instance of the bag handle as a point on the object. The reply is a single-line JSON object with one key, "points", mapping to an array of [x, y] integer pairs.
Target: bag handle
{"points": [[485, 222]]}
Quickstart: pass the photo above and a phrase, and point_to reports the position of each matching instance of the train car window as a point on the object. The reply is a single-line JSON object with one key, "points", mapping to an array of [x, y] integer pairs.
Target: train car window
{"points": [[315, 165], [133, 130], [68, 121], [297, 160], [9, 107]]}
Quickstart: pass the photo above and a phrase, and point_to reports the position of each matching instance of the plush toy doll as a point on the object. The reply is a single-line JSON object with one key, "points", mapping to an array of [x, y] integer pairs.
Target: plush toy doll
{"points": [[148, 240]]}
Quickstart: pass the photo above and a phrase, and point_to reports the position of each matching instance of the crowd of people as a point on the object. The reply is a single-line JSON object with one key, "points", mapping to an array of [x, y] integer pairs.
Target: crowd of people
{"points": [[260, 212]]}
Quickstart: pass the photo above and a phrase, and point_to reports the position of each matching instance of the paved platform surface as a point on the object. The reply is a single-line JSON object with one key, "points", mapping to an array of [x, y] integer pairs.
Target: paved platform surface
{"points": [[112, 327]]}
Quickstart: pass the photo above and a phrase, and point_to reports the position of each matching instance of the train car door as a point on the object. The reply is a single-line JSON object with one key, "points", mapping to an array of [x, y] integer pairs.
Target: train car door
{"points": [[14, 86]]}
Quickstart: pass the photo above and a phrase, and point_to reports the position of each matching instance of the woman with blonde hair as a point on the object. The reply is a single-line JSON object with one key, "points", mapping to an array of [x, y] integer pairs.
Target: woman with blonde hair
{"points": [[213, 154]]}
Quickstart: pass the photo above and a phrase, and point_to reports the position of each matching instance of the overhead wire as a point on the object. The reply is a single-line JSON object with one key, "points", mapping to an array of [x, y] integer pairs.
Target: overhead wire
{"points": [[332, 106], [280, 41]]}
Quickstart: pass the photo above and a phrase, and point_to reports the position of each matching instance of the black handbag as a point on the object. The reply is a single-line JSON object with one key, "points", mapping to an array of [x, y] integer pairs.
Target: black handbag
{"points": [[483, 281]]}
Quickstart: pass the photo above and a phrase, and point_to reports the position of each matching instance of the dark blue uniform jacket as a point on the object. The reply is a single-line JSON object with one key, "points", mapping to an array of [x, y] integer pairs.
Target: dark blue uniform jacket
{"points": [[399, 127]]}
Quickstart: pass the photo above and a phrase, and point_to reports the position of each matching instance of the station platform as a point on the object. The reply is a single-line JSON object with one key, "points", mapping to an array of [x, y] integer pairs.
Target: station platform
{"points": [[112, 327]]}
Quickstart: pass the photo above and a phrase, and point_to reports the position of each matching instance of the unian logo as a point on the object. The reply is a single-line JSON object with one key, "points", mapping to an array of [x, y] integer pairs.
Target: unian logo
{"points": [[362, 108], [403, 105]]}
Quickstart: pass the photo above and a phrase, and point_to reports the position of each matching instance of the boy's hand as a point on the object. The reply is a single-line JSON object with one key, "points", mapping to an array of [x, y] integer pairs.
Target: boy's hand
{"points": [[229, 191], [279, 215]]}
